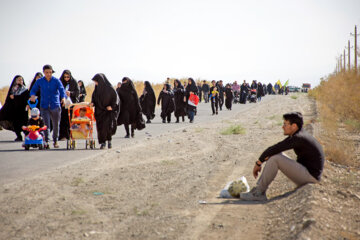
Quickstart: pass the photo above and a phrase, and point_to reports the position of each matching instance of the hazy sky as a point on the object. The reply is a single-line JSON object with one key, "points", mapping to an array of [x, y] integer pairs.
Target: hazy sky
{"points": [[151, 40]]}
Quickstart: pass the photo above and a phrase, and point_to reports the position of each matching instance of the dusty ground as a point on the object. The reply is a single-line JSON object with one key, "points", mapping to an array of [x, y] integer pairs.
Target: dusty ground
{"points": [[152, 189]]}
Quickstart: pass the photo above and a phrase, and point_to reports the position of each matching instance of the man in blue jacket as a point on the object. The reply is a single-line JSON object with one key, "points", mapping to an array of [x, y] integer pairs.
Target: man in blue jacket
{"points": [[51, 91], [306, 169]]}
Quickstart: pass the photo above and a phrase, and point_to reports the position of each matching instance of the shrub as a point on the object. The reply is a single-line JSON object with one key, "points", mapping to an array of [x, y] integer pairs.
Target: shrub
{"points": [[235, 129]]}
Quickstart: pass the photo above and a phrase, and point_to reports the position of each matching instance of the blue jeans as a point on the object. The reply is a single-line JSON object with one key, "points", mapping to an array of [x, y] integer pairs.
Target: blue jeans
{"points": [[54, 115], [191, 114]]}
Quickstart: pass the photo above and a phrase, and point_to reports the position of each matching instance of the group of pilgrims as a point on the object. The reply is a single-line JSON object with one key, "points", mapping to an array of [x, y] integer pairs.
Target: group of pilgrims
{"points": [[114, 107]]}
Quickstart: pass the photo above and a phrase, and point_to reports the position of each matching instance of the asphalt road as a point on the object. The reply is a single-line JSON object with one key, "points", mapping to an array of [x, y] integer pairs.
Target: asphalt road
{"points": [[16, 163]]}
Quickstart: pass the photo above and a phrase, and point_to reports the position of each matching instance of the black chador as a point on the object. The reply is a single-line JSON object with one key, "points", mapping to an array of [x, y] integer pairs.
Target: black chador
{"points": [[13, 114], [36, 77], [244, 90], [229, 97], [130, 109], [103, 96], [148, 102], [180, 104], [82, 92], [72, 86], [166, 97]]}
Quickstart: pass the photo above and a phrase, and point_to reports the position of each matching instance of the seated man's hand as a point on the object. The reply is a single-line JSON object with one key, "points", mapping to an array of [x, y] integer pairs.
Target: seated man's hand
{"points": [[256, 170]]}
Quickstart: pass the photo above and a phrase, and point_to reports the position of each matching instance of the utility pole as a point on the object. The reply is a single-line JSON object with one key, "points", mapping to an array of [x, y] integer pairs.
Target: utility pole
{"points": [[340, 62], [349, 56], [344, 61], [355, 46], [349, 62]]}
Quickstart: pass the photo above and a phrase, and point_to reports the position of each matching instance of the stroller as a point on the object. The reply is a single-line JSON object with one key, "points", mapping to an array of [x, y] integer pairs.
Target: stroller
{"points": [[236, 97], [253, 96], [81, 127]]}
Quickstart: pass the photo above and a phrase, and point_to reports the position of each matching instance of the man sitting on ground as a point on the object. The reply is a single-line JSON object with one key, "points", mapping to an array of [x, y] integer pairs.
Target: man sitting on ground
{"points": [[307, 168]]}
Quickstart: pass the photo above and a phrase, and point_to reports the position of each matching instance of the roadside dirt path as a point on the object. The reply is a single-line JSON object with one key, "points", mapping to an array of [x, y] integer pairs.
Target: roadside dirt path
{"points": [[152, 189]]}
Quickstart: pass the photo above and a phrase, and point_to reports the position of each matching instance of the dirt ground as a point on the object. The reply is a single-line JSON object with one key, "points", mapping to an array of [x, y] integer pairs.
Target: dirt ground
{"points": [[167, 187]]}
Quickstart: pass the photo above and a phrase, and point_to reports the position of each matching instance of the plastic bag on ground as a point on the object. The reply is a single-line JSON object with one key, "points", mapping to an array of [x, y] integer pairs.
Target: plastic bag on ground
{"points": [[234, 188]]}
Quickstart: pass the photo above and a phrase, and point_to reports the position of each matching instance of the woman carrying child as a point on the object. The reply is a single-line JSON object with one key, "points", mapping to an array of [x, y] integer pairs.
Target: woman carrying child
{"points": [[214, 97]]}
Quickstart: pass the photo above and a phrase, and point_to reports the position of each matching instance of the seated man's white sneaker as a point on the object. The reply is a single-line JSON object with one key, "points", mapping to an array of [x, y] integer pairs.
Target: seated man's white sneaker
{"points": [[253, 195]]}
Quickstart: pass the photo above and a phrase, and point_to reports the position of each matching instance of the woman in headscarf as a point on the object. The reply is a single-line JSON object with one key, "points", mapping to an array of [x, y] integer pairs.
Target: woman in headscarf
{"points": [[180, 104], [72, 90], [118, 86], [148, 102], [229, 96], [260, 91], [167, 103], [14, 115], [36, 77], [107, 106], [130, 109], [82, 91], [191, 88]]}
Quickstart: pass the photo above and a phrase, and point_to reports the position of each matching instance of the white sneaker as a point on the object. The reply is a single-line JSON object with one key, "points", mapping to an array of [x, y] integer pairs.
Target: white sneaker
{"points": [[253, 195]]}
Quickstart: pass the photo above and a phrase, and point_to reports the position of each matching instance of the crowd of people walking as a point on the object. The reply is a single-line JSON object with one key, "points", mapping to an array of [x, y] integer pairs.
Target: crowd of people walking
{"points": [[117, 106]]}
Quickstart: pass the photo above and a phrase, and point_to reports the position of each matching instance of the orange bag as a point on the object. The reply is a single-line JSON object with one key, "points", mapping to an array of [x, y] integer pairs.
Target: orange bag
{"points": [[193, 100]]}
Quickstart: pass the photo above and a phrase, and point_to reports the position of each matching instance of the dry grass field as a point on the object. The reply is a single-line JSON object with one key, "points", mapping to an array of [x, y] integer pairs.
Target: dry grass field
{"points": [[338, 99], [139, 85]]}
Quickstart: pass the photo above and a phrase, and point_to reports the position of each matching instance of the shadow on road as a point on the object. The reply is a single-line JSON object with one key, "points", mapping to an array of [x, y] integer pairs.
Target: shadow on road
{"points": [[7, 141]]}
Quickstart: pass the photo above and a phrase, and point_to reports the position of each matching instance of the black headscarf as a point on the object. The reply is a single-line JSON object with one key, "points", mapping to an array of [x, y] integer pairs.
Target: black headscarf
{"points": [[13, 115], [130, 109], [102, 91], [73, 86], [82, 90], [13, 83], [34, 79], [105, 95], [129, 85], [192, 87], [148, 101], [148, 88], [179, 84]]}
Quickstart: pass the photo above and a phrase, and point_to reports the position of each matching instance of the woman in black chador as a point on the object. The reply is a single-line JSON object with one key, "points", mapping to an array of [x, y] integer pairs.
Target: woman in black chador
{"points": [[167, 103], [148, 102], [130, 109], [180, 104], [107, 106], [191, 88], [229, 96], [82, 93], [37, 76], [72, 90], [13, 115]]}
